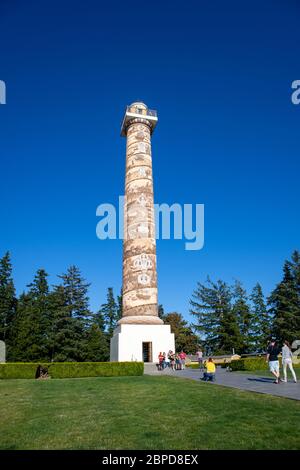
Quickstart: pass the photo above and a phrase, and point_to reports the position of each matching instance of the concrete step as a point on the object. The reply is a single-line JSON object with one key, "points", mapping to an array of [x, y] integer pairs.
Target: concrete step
{"points": [[150, 368]]}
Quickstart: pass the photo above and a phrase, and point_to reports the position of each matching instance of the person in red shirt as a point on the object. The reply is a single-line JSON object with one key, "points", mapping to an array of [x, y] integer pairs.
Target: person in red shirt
{"points": [[182, 356], [160, 361]]}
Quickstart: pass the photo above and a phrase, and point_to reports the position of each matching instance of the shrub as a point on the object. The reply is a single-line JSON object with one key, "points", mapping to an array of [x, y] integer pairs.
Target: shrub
{"points": [[192, 365], [18, 370], [60, 370], [252, 363]]}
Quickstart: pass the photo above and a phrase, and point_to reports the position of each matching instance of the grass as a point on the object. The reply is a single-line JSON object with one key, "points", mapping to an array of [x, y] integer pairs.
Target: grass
{"points": [[142, 413]]}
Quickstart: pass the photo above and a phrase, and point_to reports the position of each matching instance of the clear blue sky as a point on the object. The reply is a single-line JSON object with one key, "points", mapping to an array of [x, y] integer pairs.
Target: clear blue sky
{"points": [[219, 74]]}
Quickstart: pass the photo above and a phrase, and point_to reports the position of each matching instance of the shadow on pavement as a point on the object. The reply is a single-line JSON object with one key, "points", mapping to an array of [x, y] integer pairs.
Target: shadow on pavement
{"points": [[261, 379]]}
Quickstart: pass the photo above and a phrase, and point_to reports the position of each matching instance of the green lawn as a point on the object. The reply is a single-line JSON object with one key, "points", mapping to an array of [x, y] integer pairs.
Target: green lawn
{"points": [[142, 413]]}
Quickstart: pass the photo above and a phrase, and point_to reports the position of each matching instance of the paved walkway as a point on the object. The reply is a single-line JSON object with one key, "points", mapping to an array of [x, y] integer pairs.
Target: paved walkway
{"points": [[242, 381]]}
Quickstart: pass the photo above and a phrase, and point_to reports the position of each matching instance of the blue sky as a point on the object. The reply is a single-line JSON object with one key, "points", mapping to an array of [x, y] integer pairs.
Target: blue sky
{"points": [[218, 73]]}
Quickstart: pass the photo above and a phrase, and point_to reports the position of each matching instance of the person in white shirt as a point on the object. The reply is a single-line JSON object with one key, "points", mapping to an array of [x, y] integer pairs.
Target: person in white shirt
{"points": [[287, 361], [199, 355]]}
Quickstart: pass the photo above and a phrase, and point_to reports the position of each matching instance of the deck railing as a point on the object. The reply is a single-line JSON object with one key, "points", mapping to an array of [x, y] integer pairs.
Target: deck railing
{"points": [[142, 111]]}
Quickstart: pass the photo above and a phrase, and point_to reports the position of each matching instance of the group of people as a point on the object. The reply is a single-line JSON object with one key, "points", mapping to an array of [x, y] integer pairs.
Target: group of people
{"points": [[274, 349], [176, 361]]}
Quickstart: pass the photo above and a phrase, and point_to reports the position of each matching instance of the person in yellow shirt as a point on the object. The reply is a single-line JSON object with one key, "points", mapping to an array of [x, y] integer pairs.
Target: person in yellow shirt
{"points": [[210, 370]]}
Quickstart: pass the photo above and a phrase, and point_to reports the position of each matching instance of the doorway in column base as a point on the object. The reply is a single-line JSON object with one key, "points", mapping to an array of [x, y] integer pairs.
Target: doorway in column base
{"points": [[147, 351], [131, 342]]}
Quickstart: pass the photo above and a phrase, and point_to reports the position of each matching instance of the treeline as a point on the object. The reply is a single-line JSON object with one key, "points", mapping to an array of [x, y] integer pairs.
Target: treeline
{"points": [[185, 338], [54, 324], [228, 318]]}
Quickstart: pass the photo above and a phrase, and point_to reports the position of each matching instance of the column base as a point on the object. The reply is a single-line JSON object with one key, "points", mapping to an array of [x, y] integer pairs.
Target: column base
{"points": [[141, 320], [140, 342]]}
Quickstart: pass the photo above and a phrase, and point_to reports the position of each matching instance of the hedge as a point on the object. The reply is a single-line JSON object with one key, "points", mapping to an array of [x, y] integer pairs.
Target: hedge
{"points": [[60, 370], [252, 363]]}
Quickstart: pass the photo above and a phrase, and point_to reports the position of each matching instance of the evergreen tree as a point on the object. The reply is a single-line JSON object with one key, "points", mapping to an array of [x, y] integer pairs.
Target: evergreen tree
{"points": [[120, 305], [65, 333], [230, 339], [294, 266], [211, 305], [22, 339], [33, 320], [161, 312], [98, 319], [284, 306], [71, 317], [8, 302], [185, 339], [76, 293], [242, 313], [110, 312], [97, 346], [261, 320]]}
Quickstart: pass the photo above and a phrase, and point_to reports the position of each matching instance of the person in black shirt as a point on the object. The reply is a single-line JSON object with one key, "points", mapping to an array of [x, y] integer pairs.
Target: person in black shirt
{"points": [[272, 358]]}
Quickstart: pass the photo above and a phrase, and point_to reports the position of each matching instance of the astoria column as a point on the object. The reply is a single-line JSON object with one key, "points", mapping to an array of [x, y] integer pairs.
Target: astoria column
{"points": [[140, 334], [139, 248]]}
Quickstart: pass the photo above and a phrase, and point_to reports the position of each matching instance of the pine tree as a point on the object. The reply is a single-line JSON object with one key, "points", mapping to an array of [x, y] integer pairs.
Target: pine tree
{"points": [[71, 317], [22, 338], [241, 311], [33, 320], [294, 265], [161, 312], [110, 312], [261, 320], [185, 339], [120, 305], [8, 302], [63, 331], [230, 339], [76, 293], [211, 305], [97, 347], [284, 306], [98, 319]]}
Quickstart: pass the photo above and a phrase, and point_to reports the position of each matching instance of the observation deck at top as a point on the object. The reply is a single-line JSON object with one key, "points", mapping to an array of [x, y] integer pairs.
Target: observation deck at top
{"points": [[138, 110]]}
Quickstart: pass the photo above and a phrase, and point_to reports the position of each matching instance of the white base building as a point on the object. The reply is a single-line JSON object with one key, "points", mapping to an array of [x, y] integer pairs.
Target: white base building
{"points": [[133, 342]]}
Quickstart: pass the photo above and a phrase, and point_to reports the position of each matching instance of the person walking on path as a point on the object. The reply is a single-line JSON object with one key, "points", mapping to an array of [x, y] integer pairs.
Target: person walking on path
{"points": [[272, 358], [287, 361], [199, 355], [182, 356]]}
